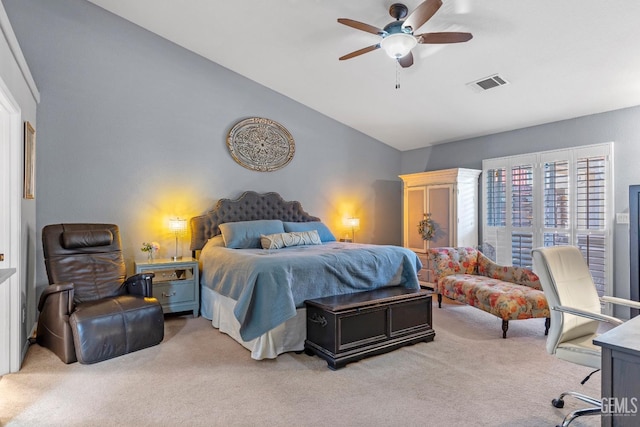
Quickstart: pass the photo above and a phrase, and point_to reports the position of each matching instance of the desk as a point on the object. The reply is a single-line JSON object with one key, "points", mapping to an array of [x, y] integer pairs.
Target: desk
{"points": [[621, 374]]}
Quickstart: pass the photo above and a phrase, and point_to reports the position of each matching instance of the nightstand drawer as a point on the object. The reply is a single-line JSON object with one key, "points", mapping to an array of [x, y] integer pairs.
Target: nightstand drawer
{"points": [[171, 275], [174, 292], [425, 275], [176, 283]]}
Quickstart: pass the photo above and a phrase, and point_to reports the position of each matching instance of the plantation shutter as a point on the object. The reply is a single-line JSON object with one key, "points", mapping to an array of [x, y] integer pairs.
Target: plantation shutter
{"points": [[496, 197], [522, 215], [556, 205], [591, 216]]}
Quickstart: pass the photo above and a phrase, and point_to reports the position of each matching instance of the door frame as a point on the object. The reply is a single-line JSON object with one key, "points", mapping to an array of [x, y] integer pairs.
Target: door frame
{"points": [[634, 245], [11, 221]]}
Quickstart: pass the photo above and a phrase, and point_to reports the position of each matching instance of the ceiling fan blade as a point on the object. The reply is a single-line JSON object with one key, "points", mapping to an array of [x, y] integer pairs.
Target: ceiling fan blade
{"points": [[422, 14], [359, 52], [438, 38], [406, 61], [360, 26]]}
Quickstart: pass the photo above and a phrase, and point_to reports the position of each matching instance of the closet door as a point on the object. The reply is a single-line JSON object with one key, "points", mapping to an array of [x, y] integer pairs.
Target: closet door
{"points": [[440, 206]]}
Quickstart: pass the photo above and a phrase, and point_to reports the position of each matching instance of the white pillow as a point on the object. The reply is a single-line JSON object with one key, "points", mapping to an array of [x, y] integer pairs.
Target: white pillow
{"points": [[296, 238], [216, 241]]}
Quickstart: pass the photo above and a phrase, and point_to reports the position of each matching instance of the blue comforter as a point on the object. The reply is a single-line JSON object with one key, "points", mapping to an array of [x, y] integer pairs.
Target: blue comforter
{"points": [[269, 285]]}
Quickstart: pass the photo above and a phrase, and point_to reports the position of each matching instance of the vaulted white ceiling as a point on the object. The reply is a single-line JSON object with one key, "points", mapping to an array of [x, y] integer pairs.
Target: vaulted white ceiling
{"points": [[562, 59]]}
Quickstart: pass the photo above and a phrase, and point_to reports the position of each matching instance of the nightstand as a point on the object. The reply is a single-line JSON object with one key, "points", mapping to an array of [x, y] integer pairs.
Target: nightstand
{"points": [[176, 283]]}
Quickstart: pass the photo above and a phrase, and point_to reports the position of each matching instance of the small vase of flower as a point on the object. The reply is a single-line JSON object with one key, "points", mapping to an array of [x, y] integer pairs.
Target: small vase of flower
{"points": [[150, 248]]}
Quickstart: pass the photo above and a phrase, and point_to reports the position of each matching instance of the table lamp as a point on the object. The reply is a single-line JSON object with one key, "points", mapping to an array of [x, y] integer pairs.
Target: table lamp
{"points": [[178, 226], [353, 223]]}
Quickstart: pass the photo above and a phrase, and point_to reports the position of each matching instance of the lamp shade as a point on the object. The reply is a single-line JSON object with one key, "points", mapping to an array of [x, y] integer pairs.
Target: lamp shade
{"points": [[178, 225], [398, 45], [352, 222]]}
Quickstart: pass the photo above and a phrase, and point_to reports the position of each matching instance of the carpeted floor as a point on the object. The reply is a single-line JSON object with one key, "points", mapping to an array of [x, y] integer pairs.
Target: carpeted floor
{"points": [[468, 376]]}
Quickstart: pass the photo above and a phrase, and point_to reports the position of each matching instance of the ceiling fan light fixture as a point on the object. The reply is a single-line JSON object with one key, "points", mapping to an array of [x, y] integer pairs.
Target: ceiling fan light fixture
{"points": [[398, 45], [397, 37]]}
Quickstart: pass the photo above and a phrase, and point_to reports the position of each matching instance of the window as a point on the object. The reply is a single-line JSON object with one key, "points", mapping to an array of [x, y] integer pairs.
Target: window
{"points": [[547, 199]]}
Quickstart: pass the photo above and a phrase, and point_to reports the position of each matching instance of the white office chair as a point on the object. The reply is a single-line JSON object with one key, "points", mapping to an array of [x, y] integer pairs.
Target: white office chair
{"points": [[575, 314]]}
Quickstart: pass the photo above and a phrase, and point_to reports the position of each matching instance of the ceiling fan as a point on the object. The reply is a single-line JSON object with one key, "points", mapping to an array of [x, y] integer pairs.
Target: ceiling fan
{"points": [[398, 38]]}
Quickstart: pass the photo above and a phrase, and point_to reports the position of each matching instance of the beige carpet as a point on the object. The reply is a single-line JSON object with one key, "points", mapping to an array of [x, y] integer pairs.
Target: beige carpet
{"points": [[468, 376]]}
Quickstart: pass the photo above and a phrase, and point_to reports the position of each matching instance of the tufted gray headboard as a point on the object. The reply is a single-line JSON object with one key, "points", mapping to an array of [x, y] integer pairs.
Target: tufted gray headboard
{"points": [[249, 206]]}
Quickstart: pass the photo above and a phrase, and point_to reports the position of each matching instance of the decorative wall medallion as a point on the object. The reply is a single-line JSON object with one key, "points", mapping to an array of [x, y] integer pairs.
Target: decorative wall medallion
{"points": [[261, 144]]}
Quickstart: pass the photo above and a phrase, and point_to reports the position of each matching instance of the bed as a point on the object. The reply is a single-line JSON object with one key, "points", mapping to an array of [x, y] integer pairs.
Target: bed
{"points": [[256, 295]]}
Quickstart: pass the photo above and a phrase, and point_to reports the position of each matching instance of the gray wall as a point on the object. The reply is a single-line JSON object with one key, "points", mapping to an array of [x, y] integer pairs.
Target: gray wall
{"points": [[622, 127], [132, 130]]}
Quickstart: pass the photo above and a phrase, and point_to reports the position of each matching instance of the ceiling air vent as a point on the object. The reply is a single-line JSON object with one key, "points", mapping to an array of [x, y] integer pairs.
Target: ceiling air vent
{"points": [[487, 83]]}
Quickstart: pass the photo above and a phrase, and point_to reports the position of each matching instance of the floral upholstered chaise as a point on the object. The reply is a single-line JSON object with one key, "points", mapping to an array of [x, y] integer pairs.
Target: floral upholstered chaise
{"points": [[510, 293]]}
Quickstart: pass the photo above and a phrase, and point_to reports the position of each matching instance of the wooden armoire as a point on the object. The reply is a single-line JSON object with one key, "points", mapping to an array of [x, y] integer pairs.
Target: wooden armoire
{"points": [[450, 196]]}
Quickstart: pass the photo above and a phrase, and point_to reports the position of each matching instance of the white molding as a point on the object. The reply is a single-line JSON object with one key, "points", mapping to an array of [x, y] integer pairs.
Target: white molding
{"points": [[11, 167], [12, 41], [444, 176]]}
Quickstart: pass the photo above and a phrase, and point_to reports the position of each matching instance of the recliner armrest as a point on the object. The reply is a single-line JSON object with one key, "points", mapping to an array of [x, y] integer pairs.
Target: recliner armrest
{"points": [[55, 289], [140, 284], [620, 301], [589, 314]]}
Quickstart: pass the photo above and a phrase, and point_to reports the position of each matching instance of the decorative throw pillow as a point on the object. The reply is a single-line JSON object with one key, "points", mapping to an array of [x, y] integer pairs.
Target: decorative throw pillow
{"points": [[296, 238], [246, 234], [216, 241], [321, 228]]}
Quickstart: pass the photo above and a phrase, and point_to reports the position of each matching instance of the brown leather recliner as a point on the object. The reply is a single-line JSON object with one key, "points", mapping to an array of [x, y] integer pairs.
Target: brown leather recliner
{"points": [[90, 313]]}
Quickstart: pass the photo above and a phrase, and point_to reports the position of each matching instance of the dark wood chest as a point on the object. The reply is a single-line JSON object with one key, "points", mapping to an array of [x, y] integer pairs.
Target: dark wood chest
{"points": [[346, 328]]}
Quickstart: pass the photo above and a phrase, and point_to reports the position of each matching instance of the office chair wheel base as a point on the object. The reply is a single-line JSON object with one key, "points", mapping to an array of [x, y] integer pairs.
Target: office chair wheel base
{"points": [[558, 403]]}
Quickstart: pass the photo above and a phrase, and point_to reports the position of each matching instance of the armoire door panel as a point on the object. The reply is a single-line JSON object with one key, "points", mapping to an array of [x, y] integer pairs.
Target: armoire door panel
{"points": [[439, 206], [416, 208]]}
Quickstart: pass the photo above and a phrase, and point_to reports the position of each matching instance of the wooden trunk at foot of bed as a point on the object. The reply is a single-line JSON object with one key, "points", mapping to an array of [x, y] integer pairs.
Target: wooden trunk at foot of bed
{"points": [[345, 328]]}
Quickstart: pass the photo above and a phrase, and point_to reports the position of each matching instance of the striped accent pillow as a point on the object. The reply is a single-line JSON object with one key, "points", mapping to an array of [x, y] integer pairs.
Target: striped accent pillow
{"points": [[295, 238]]}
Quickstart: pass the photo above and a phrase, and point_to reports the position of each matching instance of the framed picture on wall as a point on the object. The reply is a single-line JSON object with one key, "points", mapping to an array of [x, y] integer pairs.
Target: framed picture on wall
{"points": [[29, 161]]}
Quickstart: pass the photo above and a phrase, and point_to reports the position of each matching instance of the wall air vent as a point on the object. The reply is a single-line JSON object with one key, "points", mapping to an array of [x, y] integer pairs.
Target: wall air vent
{"points": [[487, 83]]}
